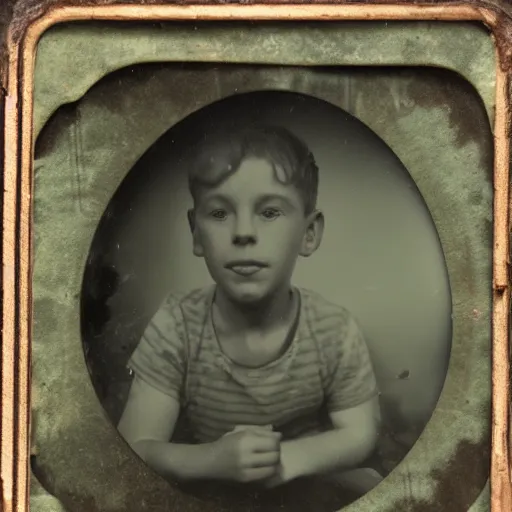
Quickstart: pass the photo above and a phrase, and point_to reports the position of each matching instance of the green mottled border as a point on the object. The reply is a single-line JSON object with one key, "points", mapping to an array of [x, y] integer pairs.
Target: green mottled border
{"points": [[461, 47], [456, 186]]}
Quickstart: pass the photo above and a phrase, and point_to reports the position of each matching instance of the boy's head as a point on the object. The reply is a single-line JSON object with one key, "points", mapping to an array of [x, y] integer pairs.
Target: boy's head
{"points": [[254, 193], [220, 155]]}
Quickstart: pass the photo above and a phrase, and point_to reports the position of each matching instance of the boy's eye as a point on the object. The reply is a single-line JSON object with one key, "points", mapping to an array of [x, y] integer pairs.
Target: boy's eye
{"points": [[219, 214], [270, 213]]}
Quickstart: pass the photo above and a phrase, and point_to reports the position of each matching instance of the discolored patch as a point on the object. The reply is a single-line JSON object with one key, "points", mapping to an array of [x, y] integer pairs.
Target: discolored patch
{"points": [[448, 491], [466, 111]]}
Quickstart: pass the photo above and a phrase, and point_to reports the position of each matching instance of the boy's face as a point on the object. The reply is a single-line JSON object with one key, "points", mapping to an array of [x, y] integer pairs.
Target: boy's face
{"points": [[250, 230]]}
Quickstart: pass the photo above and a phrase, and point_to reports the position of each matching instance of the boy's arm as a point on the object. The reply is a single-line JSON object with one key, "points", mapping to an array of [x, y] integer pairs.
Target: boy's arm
{"points": [[347, 445], [353, 405], [153, 406], [148, 423]]}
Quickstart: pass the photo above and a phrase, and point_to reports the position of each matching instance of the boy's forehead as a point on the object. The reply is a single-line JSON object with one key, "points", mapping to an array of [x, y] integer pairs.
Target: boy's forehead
{"points": [[253, 178], [255, 174]]}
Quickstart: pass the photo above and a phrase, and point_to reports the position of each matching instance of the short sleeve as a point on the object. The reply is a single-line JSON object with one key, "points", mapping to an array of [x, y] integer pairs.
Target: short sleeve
{"points": [[160, 358], [351, 379]]}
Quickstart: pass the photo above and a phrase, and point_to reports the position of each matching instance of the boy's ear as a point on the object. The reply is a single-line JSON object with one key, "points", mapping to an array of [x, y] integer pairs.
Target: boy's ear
{"points": [[313, 235], [196, 243]]}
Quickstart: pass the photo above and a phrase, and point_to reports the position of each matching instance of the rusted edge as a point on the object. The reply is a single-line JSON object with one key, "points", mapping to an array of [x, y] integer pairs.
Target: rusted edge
{"points": [[17, 207], [501, 495], [27, 12]]}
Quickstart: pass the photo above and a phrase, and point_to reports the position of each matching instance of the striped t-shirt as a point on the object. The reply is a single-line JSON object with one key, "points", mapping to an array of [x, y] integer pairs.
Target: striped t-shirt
{"points": [[325, 368]]}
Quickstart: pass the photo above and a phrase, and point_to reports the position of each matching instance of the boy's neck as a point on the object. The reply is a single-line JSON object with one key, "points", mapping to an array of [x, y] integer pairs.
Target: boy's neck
{"points": [[267, 314]]}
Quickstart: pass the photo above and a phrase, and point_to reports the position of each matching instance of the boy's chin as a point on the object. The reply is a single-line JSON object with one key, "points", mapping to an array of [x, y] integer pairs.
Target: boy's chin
{"points": [[248, 294]]}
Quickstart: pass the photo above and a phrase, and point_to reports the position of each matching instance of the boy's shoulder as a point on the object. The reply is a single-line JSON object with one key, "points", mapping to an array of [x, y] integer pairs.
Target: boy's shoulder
{"points": [[324, 317], [180, 312], [333, 327], [318, 308], [186, 304], [197, 296]]}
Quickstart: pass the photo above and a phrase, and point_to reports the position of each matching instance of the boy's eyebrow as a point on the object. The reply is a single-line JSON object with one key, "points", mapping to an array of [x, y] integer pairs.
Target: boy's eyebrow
{"points": [[222, 198], [276, 197], [214, 196]]}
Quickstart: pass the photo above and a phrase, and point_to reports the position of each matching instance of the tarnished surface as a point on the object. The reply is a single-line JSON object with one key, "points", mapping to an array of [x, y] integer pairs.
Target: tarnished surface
{"points": [[445, 145], [464, 48], [19, 14]]}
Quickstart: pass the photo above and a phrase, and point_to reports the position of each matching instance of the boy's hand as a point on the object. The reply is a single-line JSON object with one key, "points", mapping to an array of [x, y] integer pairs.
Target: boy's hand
{"points": [[248, 454]]}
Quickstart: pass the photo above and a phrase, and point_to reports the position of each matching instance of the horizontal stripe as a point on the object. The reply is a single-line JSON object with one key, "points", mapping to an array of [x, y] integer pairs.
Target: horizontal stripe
{"points": [[230, 388], [218, 421], [210, 376], [207, 373], [304, 358], [314, 400], [305, 347], [211, 400], [234, 384]]}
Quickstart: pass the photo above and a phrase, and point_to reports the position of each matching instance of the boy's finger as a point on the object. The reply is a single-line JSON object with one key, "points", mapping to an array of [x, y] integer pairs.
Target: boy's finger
{"points": [[267, 443], [265, 459], [272, 434], [255, 474]]}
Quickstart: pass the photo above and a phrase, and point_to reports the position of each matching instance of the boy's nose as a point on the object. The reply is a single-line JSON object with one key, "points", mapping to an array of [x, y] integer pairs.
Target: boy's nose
{"points": [[244, 232], [244, 240]]}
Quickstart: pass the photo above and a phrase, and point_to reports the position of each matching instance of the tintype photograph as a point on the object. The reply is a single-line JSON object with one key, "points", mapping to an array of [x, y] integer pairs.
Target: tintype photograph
{"points": [[256, 258], [245, 222]]}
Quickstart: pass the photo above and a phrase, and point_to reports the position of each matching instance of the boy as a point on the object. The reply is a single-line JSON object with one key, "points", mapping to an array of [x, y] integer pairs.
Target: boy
{"points": [[275, 381]]}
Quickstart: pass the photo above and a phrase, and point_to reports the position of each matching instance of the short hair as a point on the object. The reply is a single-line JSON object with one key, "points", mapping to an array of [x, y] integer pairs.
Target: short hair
{"points": [[219, 155]]}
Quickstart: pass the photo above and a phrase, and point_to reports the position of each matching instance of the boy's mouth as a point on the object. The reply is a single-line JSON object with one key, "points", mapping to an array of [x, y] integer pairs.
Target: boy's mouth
{"points": [[246, 267]]}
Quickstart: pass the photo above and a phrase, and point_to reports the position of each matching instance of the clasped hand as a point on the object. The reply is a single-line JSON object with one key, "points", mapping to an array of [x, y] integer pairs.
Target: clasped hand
{"points": [[250, 454]]}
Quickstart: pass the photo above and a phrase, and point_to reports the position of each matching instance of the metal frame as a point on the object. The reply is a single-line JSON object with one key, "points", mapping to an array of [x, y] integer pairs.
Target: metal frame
{"points": [[22, 40]]}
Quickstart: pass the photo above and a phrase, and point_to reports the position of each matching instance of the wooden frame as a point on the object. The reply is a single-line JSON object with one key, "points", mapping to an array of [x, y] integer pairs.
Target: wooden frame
{"points": [[23, 33]]}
